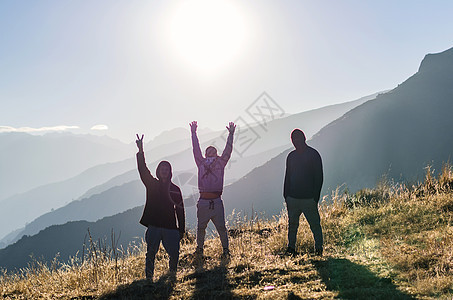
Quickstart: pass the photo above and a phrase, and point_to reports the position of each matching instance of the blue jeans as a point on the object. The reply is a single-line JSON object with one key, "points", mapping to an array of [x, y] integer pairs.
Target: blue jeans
{"points": [[170, 240], [309, 207]]}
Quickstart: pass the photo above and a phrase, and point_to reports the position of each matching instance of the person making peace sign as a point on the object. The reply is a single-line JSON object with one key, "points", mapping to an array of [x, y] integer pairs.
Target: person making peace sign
{"points": [[163, 205]]}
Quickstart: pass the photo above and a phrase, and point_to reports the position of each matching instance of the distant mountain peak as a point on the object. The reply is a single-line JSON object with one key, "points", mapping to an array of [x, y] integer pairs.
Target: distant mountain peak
{"points": [[435, 62]]}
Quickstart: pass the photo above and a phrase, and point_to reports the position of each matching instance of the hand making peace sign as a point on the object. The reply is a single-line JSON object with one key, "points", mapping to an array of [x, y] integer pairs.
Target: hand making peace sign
{"points": [[139, 142]]}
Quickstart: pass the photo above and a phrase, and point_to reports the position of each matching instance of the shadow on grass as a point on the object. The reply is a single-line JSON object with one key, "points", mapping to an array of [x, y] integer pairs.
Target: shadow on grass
{"points": [[212, 283], [144, 289], [354, 281]]}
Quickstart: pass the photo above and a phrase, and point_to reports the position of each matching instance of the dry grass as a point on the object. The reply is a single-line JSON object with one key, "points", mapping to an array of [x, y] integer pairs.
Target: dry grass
{"points": [[392, 242]]}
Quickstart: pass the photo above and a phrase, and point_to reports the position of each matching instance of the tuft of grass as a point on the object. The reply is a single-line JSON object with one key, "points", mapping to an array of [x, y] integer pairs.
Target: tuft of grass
{"points": [[392, 242]]}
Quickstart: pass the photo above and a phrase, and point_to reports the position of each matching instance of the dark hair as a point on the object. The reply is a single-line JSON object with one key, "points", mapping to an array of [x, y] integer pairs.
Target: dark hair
{"points": [[297, 135], [209, 147]]}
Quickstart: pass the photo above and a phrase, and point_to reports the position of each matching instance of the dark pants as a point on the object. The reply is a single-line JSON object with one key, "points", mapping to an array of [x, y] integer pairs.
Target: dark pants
{"points": [[309, 207], [170, 240]]}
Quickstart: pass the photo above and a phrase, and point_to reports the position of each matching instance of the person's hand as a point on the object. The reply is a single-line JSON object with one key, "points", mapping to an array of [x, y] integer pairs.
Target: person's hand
{"points": [[231, 127], [193, 126], [139, 142]]}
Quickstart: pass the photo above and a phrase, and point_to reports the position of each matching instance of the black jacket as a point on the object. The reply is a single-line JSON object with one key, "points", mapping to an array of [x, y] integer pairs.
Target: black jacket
{"points": [[163, 204], [304, 176]]}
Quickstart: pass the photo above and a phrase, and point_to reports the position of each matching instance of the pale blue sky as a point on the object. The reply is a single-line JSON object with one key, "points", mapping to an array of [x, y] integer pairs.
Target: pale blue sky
{"points": [[120, 63]]}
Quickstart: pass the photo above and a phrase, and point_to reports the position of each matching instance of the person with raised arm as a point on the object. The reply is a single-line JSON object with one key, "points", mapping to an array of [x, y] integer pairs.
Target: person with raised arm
{"points": [[211, 168], [163, 214]]}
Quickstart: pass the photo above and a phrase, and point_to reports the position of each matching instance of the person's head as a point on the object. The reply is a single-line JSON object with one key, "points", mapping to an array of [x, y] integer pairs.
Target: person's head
{"points": [[163, 171], [298, 138], [211, 151]]}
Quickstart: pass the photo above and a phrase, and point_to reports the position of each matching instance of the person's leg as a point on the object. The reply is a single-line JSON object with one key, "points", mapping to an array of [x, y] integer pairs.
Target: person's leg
{"points": [[152, 238], [311, 213], [219, 222], [170, 240], [203, 217], [294, 211]]}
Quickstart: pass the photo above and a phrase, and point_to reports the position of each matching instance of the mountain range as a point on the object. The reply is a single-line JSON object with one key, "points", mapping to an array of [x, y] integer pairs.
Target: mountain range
{"points": [[29, 161], [52, 196], [392, 137], [396, 135], [47, 200], [70, 239], [119, 198]]}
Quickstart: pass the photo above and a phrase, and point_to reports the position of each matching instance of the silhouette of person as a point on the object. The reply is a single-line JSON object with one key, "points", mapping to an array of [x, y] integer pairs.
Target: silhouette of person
{"points": [[210, 184], [302, 189], [163, 205]]}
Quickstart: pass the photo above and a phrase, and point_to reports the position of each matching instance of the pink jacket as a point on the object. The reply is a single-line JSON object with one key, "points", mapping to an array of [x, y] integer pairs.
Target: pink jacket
{"points": [[210, 174]]}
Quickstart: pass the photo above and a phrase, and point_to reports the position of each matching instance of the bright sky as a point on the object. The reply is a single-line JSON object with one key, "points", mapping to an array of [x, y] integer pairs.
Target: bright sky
{"points": [[121, 67]]}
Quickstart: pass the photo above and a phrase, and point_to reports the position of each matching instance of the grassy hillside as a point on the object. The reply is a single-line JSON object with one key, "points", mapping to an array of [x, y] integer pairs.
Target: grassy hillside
{"points": [[68, 239], [391, 242]]}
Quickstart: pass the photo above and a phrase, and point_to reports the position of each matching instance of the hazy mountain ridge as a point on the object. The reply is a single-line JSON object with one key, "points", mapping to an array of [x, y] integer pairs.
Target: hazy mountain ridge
{"points": [[274, 136], [119, 198], [396, 135], [110, 202], [29, 161], [56, 195], [52, 196], [68, 239], [273, 139], [260, 191]]}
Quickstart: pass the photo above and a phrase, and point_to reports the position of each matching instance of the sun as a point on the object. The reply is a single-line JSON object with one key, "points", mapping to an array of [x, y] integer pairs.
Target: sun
{"points": [[206, 35]]}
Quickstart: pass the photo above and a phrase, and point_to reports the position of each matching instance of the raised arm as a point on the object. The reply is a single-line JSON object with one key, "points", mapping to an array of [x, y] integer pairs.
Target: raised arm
{"points": [[226, 154], [145, 174], [195, 143]]}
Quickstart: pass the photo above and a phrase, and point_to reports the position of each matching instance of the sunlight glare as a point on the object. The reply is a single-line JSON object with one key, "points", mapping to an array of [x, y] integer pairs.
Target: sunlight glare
{"points": [[207, 34]]}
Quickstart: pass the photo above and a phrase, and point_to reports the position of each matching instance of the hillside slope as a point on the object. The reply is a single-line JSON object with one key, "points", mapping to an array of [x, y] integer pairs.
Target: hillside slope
{"points": [[68, 239], [396, 135], [393, 242]]}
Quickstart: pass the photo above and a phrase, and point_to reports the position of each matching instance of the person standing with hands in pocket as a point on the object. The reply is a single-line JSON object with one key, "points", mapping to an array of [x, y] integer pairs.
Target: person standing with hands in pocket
{"points": [[163, 214], [302, 190]]}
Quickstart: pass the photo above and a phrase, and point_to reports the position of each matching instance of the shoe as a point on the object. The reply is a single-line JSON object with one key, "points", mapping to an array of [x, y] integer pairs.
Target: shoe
{"points": [[318, 252], [226, 254], [290, 251], [198, 254], [171, 276]]}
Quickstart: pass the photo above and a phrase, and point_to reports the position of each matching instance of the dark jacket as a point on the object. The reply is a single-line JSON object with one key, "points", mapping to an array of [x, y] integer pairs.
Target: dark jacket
{"points": [[163, 202], [303, 177]]}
